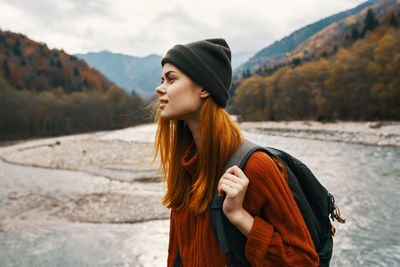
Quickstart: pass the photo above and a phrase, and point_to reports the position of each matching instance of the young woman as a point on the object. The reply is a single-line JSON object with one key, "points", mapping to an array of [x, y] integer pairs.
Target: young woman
{"points": [[195, 138]]}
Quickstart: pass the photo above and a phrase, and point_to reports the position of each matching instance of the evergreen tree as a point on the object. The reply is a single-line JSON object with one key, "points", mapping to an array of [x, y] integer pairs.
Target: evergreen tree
{"points": [[334, 49], [355, 34], [76, 72], [16, 48], [6, 68], [246, 73], [370, 21], [296, 61], [393, 20]]}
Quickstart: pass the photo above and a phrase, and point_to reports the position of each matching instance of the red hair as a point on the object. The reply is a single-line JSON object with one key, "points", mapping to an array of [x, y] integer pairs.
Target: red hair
{"points": [[219, 138]]}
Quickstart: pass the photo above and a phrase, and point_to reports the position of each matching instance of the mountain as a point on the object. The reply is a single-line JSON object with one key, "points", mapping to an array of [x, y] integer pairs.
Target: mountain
{"points": [[344, 32], [134, 74], [241, 57], [47, 92], [278, 49], [138, 74], [349, 70], [26, 64]]}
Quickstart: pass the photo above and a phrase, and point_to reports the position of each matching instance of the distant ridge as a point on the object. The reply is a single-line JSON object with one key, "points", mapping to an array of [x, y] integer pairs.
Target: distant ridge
{"points": [[31, 65], [135, 74], [278, 49]]}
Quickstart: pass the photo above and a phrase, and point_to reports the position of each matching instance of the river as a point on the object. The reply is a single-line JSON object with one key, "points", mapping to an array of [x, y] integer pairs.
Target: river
{"points": [[365, 181]]}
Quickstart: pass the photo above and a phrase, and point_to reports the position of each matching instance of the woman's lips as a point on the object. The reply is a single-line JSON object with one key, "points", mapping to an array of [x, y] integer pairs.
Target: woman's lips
{"points": [[163, 103]]}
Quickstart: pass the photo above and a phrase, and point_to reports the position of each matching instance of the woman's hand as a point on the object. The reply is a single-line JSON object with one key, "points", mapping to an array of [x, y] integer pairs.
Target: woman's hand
{"points": [[234, 184]]}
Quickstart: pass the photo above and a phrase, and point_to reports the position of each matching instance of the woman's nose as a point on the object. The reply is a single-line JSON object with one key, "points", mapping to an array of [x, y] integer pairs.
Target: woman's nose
{"points": [[160, 90]]}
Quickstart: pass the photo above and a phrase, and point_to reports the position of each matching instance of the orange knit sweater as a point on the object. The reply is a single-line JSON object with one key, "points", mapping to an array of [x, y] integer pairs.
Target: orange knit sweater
{"points": [[278, 237]]}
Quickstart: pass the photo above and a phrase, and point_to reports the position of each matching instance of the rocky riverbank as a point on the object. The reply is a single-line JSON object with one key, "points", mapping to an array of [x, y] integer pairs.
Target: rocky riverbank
{"points": [[116, 165], [106, 180], [365, 133], [125, 155]]}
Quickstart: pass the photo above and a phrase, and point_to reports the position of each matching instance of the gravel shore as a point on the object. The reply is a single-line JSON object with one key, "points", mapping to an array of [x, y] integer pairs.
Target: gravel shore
{"points": [[126, 154], [365, 133]]}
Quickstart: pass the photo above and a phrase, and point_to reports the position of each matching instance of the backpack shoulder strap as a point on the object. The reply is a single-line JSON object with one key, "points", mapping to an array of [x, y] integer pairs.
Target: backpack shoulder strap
{"points": [[222, 228], [242, 154]]}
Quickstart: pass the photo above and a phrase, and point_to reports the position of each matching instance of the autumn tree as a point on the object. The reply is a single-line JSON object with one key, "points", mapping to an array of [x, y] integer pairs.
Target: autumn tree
{"points": [[250, 98], [361, 82]]}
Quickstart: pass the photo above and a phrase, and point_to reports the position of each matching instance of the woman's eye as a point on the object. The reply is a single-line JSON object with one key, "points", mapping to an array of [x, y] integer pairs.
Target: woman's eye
{"points": [[169, 79]]}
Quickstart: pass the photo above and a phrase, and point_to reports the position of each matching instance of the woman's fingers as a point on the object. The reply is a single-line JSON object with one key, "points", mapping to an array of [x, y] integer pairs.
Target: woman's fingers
{"points": [[230, 192], [232, 178], [233, 182], [235, 170], [227, 184]]}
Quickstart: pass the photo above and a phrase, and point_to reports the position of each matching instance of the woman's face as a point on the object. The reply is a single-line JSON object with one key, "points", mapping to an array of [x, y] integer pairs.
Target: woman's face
{"points": [[180, 97]]}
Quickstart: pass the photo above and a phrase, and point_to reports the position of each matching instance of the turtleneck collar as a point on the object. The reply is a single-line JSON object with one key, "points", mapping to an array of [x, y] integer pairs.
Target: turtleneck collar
{"points": [[190, 161]]}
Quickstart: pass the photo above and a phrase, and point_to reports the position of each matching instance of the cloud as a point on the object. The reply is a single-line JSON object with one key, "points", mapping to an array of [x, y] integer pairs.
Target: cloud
{"points": [[61, 24], [179, 25], [153, 26], [51, 13]]}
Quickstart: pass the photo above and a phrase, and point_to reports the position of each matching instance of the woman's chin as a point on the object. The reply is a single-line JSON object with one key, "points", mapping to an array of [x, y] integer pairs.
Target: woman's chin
{"points": [[165, 116]]}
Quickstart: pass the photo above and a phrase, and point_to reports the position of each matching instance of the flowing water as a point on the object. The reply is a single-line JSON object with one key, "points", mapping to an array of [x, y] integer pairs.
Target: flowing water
{"points": [[365, 181]]}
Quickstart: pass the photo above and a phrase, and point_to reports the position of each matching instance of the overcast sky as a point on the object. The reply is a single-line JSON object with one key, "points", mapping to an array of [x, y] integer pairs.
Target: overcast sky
{"points": [[146, 27]]}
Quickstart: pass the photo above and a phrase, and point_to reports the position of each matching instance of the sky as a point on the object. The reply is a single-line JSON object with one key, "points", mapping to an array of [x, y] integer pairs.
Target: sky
{"points": [[145, 27]]}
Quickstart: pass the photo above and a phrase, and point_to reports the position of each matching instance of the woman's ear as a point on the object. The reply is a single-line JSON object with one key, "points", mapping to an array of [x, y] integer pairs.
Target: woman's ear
{"points": [[204, 93]]}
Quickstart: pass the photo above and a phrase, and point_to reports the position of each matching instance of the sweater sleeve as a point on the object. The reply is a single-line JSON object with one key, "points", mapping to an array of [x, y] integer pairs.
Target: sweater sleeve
{"points": [[173, 241], [279, 235]]}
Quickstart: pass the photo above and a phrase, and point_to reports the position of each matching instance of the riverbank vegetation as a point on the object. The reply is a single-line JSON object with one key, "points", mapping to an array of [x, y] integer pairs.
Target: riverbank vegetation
{"points": [[361, 82], [47, 92], [25, 114]]}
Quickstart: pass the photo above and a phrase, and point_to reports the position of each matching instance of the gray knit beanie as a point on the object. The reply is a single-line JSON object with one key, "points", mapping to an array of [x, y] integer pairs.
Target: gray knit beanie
{"points": [[208, 63]]}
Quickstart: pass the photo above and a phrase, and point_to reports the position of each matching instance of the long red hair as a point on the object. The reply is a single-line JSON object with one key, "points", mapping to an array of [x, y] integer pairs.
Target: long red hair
{"points": [[219, 138]]}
